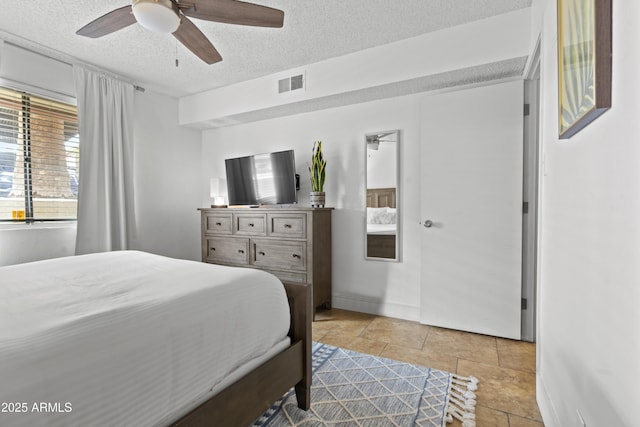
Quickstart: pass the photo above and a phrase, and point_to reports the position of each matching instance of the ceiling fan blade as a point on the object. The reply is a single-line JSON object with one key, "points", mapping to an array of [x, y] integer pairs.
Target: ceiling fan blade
{"points": [[112, 21], [235, 12], [190, 36]]}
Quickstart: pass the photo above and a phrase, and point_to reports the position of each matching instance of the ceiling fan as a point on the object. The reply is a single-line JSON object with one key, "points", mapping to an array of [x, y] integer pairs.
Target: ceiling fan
{"points": [[373, 141], [172, 16]]}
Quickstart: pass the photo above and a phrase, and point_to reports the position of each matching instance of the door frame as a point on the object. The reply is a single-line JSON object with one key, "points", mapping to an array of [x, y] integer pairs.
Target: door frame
{"points": [[531, 196]]}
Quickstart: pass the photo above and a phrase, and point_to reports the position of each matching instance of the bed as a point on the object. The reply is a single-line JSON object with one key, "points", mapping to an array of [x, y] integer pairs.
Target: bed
{"points": [[381, 223], [131, 338]]}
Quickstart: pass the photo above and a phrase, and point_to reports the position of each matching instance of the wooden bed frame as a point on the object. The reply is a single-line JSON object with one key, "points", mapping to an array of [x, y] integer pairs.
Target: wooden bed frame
{"points": [[246, 399], [381, 197], [381, 245]]}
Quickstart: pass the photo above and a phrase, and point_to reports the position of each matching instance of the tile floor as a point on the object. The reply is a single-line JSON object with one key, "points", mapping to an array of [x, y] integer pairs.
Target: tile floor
{"points": [[505, 368]]}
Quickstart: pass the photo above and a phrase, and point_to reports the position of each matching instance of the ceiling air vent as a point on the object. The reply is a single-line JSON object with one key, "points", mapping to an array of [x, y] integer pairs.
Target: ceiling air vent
{"points": [[291, 83]]}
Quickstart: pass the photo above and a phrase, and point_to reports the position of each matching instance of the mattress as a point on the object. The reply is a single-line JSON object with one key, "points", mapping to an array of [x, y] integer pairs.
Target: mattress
{"points": [[129, 338]]}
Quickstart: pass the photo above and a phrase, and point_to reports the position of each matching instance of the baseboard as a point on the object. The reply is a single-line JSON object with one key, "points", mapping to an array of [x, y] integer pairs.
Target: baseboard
{"points": [[364, 304], [545, 404]]}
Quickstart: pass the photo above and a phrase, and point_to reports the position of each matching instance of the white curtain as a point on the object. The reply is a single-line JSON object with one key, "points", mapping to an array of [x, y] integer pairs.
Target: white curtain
{"points": [[106, 217]]}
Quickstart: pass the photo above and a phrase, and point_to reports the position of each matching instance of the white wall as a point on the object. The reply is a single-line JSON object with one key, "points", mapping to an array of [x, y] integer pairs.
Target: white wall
{"points": [[167, 169], [32, 242], [382, 287], [39, 73], [381, 166], [387, 288], [20, 68], [167, 179], [371, 286], [167, 193], [481, 42], [589, 280]]}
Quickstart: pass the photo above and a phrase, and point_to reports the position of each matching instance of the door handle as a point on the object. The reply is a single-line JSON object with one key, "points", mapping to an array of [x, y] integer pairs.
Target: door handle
{"points": [[428, 223]]}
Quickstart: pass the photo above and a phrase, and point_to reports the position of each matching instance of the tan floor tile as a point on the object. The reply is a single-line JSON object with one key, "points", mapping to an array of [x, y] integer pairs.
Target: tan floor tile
{"points": [[323, 315], [319, 329], [362, 345], [348, 322], [490, 417], [503, 389], [505, 368], [396, 331], [443, 362], [464, 345], [486, 417], [516, 421], [321, 326], [518, 355], [317, 334]]}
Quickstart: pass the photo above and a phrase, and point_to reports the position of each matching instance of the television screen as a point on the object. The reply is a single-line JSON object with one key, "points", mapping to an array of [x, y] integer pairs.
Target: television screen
{"points": [[262, 179]]}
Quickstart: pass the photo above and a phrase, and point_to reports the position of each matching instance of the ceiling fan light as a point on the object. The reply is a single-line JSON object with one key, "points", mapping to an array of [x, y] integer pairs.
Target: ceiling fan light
{"points": [[156, 15]]}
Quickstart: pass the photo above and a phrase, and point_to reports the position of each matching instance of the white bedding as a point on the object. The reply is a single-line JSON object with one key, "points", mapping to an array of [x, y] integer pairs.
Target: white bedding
{"points": [[129, 338], [384, 229]]}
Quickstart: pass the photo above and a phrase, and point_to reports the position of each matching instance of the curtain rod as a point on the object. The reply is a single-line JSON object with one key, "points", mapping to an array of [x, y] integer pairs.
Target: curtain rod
{"points": [[59, 56]]}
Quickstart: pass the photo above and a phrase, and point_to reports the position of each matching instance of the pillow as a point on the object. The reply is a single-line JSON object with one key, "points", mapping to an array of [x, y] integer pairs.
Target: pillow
{"points": [[381, 215], [373, 213]]}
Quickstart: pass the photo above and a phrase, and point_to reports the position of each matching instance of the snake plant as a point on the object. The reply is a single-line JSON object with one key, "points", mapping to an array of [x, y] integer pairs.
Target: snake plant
{"points": [[317, 168]]}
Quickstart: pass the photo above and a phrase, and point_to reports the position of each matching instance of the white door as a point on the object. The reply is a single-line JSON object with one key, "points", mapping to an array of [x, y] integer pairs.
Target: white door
{"points": [[471, 209]]}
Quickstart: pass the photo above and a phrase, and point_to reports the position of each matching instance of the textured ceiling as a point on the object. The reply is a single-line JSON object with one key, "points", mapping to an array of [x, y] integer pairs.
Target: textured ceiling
{"points": [[313, 30]]}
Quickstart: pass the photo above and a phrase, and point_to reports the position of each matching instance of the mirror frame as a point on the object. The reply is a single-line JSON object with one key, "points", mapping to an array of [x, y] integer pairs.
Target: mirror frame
{"points": [[397, 195]]}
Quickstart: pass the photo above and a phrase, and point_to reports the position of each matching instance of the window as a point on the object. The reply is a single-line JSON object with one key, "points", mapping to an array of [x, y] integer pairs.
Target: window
{"points": [[38, 158]]}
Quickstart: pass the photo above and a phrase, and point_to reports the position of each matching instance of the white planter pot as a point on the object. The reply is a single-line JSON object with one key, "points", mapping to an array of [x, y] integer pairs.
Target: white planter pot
{"points": [[316, 198]]}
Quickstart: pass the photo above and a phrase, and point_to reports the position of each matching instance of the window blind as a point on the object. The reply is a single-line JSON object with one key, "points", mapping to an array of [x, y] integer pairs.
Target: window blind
{"points": [[38, 158]]}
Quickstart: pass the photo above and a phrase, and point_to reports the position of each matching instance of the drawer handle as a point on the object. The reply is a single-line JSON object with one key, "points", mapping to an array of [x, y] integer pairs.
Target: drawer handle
{"points": [[218, 224], [251, 224], [261, 253], [297, 256], [240, 251], [212, 249], [287, 226]]}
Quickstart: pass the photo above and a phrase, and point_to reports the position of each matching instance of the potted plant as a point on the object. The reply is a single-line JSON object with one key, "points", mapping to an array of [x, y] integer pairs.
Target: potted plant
{"points": [[317, 170]]}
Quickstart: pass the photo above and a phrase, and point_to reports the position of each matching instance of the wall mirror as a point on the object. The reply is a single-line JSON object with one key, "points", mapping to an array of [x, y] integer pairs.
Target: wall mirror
{"points": [[381, 182]]}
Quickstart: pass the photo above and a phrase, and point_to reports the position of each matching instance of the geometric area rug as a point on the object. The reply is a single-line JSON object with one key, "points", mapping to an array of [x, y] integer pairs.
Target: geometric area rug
{"points": [[356, 389]]}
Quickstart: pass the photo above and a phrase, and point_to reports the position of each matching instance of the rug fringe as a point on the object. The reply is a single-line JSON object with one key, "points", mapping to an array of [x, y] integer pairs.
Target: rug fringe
{"points": [[461, 402]]}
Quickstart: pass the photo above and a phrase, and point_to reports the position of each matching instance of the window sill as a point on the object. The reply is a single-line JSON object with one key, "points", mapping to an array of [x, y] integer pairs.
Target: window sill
{"points": [[36, 225]]}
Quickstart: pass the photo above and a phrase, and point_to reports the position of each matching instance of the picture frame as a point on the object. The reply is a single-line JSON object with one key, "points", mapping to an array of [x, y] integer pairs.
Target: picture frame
{"points": [[584, 63]]}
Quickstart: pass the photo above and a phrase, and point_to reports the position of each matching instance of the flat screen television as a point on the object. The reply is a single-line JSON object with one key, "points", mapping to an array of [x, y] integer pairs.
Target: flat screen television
{"points": [[262, 179]]}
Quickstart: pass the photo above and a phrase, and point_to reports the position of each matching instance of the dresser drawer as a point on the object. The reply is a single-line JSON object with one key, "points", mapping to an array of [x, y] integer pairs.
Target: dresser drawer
{"points": [[289, 276], [248, 224], [218, 224], [227, 249], [279, 254], [287, 225]]}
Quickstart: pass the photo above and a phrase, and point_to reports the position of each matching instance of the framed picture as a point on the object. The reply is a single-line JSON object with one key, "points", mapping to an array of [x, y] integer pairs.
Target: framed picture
{"points": [[584, 63]]}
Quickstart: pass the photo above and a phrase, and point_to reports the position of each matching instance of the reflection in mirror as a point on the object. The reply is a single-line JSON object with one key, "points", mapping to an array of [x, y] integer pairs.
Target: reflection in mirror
{"points": [[382, 231]]}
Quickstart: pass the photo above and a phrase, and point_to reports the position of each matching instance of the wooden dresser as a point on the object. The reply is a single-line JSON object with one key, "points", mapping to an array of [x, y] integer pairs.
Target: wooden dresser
{"points": [[292, 243]]}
